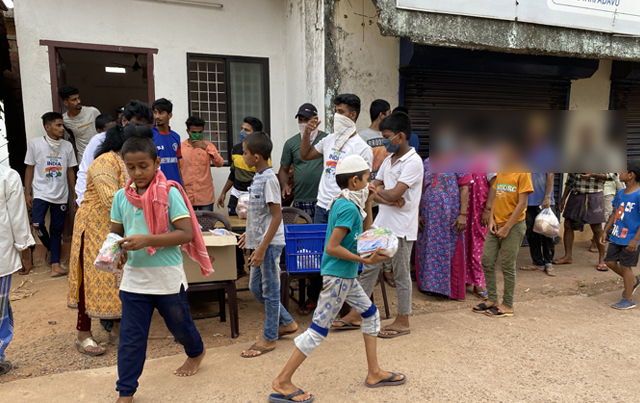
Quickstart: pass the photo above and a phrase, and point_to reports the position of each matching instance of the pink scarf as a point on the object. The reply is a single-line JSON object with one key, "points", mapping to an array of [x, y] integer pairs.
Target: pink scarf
{"points": [[155, 205]]}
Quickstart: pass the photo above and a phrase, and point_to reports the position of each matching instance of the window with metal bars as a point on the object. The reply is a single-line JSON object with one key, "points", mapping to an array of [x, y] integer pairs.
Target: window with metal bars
{"points": [[223, 90]]}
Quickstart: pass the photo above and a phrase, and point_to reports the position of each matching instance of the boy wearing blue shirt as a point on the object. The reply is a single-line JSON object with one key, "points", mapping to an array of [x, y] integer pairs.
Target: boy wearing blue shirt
{"points": [[167, 141], [339, 270], [153, 277], [622, 254]]}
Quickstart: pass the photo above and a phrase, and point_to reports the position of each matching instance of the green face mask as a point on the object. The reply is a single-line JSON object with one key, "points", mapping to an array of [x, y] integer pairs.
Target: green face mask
{"points": [[197, 136]]}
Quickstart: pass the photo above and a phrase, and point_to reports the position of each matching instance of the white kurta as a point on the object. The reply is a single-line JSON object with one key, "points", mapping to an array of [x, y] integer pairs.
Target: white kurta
{"points": [[15, 232]]}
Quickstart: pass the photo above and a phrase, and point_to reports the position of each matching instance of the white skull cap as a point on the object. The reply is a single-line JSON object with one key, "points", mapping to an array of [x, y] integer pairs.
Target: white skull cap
{"points": [[352, 164]]}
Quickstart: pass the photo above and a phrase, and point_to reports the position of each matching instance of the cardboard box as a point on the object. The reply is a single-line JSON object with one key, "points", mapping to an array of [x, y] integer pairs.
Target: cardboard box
{"points": [[223, 250]]}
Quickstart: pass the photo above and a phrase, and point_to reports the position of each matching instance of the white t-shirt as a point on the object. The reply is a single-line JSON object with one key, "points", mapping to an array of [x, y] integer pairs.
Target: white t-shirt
{"points": [[87, 159], [409, 169], [83, 126], [329, 189], [50, 170]]}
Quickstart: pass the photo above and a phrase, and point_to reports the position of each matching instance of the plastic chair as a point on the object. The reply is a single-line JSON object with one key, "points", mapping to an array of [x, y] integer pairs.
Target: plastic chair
{"points": [[208, 220], [290, 216]]}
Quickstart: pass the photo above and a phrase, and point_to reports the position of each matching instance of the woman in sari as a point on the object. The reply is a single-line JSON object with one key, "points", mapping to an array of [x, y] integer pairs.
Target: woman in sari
{"points": [[443, 218], [481, 196], [95, 293]]}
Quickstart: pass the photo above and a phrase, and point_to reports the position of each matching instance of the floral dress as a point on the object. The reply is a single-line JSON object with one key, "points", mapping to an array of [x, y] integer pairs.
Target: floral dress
{"points": [[437, 270]]}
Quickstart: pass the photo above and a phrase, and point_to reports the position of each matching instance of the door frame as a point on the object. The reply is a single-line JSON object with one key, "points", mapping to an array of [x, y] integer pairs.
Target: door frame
{"points": [[54, 46]]}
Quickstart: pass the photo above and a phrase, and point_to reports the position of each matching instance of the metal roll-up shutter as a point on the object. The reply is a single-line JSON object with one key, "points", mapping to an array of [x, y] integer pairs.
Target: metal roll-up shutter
{"points": [[625, 95], [426, 90]]}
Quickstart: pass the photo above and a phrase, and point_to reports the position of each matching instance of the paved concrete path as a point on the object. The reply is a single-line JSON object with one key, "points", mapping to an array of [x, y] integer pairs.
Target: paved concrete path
{"points": [[563, 349]]}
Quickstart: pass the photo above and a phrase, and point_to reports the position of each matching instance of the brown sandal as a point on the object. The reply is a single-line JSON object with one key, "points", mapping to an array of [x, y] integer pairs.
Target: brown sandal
{"points": [[261, 350]]}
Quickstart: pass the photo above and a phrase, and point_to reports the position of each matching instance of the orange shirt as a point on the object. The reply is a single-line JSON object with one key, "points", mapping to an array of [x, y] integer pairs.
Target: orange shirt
{"points": [[196, 172], [508, 189]]}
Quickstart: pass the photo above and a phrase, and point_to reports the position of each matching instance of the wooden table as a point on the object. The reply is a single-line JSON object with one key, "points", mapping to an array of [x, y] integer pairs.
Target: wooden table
{"points": [[239, 225]]}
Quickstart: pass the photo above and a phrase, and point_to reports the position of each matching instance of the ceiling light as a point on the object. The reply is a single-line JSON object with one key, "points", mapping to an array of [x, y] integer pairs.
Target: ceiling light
{"points": [[117, 70]]}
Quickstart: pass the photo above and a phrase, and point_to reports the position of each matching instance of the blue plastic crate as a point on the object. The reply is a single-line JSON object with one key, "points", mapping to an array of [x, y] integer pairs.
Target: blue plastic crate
{"points": [[304, 247]]}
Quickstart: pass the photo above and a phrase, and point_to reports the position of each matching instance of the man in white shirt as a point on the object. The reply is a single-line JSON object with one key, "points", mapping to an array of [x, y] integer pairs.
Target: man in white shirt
{"points": [[334, 148], [78, 119], [50, 161], [399, 188], [134, 112]]}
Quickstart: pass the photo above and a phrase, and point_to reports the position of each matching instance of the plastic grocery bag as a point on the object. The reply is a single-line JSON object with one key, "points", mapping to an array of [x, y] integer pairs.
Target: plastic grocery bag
{"points": [[377, 238], [243, 206], [109, 254], [547, 224]]}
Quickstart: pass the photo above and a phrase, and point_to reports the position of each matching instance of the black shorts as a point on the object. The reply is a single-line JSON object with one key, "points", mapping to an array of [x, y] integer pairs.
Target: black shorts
{"points": [[619, 253]]}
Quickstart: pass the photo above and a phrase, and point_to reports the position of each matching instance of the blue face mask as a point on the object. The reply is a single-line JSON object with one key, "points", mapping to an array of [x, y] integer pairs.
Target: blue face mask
{"points": [[243, 135], [392, 148]]}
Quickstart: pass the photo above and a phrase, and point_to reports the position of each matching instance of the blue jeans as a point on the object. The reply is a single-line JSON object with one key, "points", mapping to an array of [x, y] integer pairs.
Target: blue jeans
{"points": [[265, 286], [137, 310], [6, 315], [322, 216], [56, 226]]}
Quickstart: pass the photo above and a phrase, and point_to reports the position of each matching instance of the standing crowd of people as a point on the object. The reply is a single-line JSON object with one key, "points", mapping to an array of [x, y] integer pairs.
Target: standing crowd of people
{"points": [[137, 179]]}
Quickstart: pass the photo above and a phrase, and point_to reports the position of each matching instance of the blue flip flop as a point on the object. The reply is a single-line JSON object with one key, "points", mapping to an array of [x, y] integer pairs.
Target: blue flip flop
{"points": [[388, 382], [279, 398]]}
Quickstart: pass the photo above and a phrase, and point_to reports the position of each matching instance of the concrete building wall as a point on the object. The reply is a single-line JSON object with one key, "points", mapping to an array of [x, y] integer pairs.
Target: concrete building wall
{"points": [[367, 62], [176, 30]]}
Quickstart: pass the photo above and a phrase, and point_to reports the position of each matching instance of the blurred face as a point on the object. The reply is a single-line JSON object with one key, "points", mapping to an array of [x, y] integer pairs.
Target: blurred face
{"points": [[55, 130], [247, 128], [161, 118], [141, 168], [73, 102], [250, 159], [343, 109]]}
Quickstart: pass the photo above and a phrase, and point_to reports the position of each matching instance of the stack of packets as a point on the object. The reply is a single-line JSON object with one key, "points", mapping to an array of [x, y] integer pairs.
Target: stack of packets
{"points": [[377, 238], [109, 254]]}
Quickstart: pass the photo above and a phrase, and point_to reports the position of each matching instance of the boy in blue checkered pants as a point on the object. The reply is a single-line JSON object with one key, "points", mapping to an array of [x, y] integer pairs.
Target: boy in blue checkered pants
{"points": [[339, 271]]}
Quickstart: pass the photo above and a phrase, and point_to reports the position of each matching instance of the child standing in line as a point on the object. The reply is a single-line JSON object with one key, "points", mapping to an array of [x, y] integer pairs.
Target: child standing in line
{"points": [[265, 234], [339, 271], [50, 161], [506, 230], [157, 217], [622, 254]]}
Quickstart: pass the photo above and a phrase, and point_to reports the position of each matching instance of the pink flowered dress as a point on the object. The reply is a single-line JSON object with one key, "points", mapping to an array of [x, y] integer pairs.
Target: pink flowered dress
{"points": [[437, 270]]}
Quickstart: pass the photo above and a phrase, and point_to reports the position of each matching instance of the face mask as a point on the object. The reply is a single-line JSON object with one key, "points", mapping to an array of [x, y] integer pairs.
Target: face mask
{"points": [[392, 148], [343, 129], [54, 144], [314, 133], [243, 135], [359, 197], [197, 136]]}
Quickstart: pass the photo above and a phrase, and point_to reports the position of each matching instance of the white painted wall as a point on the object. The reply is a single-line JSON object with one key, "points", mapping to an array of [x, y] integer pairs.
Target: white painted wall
{"points": [[256, 28]]}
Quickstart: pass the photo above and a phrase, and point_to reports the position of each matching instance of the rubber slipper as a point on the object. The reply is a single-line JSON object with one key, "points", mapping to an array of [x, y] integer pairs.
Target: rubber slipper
{"points": [[483, 308], [64, 273], [561, 261], [260, 349], [602, 267], [388, 382], [5, 366], [88, 342], [393, 336], [280, 398], [482, 295], [346, 326], [549, 271], [497, 313], [390, 281]]}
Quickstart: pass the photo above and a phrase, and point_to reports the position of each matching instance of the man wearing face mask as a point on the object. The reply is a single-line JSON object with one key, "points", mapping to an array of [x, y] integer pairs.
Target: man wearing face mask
{"points": [[241, 175], [306, 174], [197, 155], [332, 149]]}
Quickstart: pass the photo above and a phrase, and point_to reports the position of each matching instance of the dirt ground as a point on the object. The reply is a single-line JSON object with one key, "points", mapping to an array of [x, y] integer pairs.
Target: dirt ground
{"points": [[43, 343]]}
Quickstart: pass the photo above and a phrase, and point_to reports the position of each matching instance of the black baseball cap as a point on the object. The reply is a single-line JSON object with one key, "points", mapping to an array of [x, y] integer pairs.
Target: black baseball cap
{"points": [[307, 110]]}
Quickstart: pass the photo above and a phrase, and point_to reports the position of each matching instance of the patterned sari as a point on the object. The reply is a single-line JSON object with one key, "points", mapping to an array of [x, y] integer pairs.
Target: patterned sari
{"points": [[437, 270], [106, 175], [475, 233]]}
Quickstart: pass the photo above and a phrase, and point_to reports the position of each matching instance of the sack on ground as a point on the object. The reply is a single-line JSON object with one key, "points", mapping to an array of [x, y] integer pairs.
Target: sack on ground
{"points": [[377, 238], [547, 224], [110, 254]]}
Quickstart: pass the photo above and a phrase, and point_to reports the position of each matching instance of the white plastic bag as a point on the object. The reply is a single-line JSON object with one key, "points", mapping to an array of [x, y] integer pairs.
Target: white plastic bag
{"points": [[547, 224], [377, 238], [110, 253], [243, 206]]}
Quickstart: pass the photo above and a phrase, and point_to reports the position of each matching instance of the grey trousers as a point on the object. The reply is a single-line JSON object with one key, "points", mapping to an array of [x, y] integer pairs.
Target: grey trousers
{"points": [[401, 264]]}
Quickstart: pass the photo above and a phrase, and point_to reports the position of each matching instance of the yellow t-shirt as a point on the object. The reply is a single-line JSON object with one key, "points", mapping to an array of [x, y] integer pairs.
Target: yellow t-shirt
{"points": [[508, 188]]}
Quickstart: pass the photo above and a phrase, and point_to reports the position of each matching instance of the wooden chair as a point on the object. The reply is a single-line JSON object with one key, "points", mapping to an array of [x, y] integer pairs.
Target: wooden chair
{"points": [[290, 216], [208, 220]]}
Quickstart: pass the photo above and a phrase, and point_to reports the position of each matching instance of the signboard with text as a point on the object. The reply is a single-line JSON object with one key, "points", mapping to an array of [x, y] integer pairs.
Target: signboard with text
{"points": [[612, 16]]}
